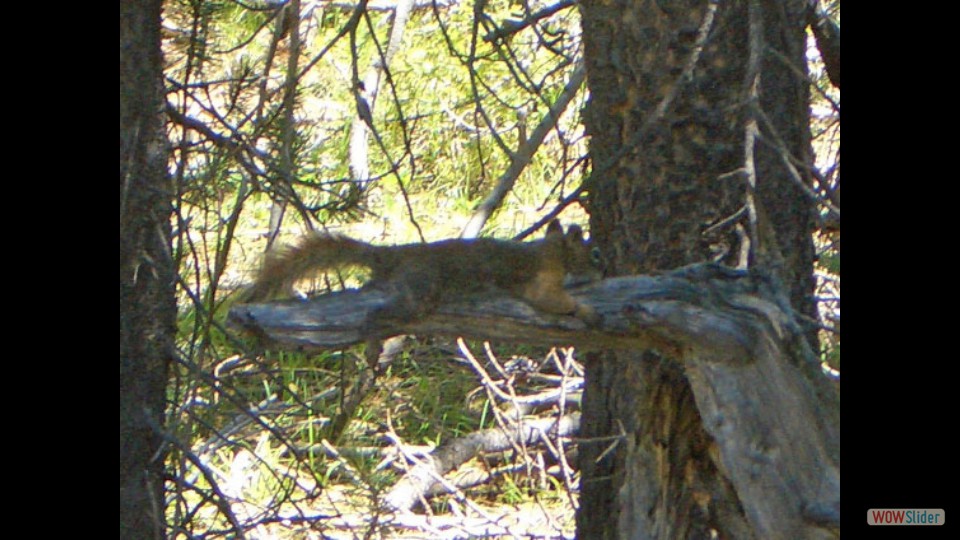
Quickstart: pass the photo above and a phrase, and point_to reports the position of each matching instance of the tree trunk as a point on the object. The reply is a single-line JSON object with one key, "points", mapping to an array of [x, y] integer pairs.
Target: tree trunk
{"points": [[147, 307], [672, 100]]}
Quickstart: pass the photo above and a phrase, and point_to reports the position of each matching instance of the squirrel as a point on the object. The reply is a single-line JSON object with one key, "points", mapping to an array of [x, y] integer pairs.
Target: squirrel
{"points": [[422, 276]]}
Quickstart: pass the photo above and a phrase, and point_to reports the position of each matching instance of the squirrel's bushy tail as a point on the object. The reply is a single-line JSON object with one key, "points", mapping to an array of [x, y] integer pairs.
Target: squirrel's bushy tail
{"points": [[313, 253]]}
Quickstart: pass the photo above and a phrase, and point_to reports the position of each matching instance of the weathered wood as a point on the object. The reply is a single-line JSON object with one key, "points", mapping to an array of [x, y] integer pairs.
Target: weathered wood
{"points": [[772, 413], [416, 483], [668, 312]]}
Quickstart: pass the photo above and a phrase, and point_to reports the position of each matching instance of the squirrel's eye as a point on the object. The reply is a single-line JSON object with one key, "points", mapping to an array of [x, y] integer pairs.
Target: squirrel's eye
{"points": [[595, 255]]}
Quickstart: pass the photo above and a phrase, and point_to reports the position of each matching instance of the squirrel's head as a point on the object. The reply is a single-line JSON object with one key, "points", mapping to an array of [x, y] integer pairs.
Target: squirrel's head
{"points": [[581, 259]]}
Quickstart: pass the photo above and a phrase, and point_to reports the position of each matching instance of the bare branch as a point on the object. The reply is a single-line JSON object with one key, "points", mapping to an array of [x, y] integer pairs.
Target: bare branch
{"points": [[512, 26], [521, 158], [734, 332], [637, 312], [426, 473], [827, 34]]}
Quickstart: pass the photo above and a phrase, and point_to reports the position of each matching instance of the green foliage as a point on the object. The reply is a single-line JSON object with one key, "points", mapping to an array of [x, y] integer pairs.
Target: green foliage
{"points": [[256, 119], [831, 262]]}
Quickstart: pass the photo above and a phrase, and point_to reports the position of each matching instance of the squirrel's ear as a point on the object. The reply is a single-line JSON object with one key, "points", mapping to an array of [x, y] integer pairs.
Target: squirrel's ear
{"points": [[554, 228], [575, 233]]}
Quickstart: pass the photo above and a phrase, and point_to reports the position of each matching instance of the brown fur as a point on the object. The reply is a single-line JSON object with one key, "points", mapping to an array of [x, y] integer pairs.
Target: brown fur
{"points": [[424, 275]]}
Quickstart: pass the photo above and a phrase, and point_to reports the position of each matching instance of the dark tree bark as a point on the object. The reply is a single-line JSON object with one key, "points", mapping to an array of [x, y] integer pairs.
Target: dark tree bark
{"points": [[679, 92], [147, 307], [753, 401]]}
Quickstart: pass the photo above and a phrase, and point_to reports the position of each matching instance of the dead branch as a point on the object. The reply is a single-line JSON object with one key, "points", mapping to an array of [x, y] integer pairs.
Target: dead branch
{"points": [[735, 333], [426, 474], [827, 33], [512, 26], [709, 307], [524, 154]]}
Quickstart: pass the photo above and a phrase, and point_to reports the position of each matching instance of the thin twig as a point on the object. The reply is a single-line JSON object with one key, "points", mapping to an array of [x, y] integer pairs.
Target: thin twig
{"points": [[524, 154]]}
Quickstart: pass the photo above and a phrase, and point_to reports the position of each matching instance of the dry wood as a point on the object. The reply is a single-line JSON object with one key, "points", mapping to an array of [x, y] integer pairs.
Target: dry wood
{"points": [[428, 471], [773, 413]]}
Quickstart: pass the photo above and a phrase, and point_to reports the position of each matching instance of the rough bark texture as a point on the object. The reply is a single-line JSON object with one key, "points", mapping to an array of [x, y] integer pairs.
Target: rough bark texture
{"points": [[784, 99], [147, 309], [743, 437], [662, 178], [673, 312]]}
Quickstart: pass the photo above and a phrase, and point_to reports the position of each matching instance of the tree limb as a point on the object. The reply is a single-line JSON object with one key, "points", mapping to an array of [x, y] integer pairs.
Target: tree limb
{"points": [[827, 34], [512, 26], [423, 476], [524, 154], [637, 311], [761, 392]]}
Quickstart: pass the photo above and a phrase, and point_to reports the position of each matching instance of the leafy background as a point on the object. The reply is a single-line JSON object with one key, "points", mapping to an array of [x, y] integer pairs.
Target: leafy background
{"points": [[264, 112]]}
